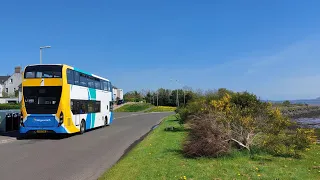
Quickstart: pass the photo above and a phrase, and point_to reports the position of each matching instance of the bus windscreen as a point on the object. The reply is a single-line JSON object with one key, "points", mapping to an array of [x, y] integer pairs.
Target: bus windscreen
{"points": [[42, 100], [43, 71]]}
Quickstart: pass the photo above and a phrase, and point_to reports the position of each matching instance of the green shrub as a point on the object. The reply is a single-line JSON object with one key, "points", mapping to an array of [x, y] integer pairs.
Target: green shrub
{"points": [[248, 104], [303, 138], [286, 103], [182, 114], [193, 107], [288, 144], [246, 121], [9, 106]]}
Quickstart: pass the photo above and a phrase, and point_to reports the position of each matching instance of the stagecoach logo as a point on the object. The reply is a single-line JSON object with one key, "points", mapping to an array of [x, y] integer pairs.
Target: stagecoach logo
{"points": [[41, 120]]}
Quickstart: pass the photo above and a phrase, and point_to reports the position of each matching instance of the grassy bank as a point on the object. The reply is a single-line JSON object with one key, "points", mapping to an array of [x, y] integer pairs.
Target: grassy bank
{"points": [[159, 156], [9, 106], [161, 109], [133, 107]]}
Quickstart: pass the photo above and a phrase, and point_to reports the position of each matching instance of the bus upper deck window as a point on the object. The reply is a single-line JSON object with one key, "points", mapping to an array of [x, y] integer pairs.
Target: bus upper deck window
{"points": [[76, 78], [39, 75], [30, 74], [57, 74], [105, 86], [46, 75]]}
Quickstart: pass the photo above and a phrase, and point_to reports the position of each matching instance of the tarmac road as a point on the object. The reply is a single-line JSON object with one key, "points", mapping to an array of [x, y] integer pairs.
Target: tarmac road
{"points": [[78, 157]]}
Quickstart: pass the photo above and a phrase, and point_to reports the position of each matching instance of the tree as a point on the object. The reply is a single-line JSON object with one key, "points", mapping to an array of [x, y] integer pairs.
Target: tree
{"points": [[189, 96], [148, 97], [286, 103], [143, 93], [133, 96], [16, 93], [223, 91], [5, 94], [166, 97], [187, 88]]}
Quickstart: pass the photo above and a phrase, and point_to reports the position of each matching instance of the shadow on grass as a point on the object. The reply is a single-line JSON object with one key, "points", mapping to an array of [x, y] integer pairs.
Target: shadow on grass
{"points": [[174, 151], [173, 120], [176, 129]]}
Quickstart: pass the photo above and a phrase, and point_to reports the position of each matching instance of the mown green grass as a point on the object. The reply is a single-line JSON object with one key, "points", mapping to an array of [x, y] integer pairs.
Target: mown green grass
{"points": [[159, 156], [133, 107], [9, 106], [161, 109]]}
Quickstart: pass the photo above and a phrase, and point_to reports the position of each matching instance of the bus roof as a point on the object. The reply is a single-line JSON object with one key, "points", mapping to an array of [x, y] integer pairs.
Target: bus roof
{"points": [[45, 64], [100, 77], [74, 69]]}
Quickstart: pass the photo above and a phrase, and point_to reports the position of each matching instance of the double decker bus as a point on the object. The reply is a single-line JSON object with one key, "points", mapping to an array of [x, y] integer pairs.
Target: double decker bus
{"points": [[57, 98]]}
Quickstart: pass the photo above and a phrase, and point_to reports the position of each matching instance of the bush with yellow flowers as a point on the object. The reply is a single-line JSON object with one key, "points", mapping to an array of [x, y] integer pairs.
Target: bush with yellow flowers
{"points": [[240, 120]]}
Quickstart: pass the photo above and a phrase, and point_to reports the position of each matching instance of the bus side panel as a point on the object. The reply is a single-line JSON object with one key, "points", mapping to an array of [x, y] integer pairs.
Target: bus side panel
{"points": [[80, 93], [104, 99]]}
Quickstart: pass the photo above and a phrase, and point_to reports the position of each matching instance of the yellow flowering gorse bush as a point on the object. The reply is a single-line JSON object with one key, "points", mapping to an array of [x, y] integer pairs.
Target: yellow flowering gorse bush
{"points": [[248, 122]]}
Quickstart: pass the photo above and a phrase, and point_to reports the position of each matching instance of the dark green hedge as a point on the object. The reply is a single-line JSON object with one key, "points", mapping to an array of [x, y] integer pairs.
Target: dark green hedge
{"points": [[9, 106]]}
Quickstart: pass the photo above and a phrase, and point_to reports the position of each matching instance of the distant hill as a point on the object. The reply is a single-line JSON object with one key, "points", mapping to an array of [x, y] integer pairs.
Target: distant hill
{"points": [[301, 101]]}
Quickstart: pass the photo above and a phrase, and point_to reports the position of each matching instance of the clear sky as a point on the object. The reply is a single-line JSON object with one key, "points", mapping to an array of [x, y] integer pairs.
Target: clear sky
{"points": [[268, 47]]}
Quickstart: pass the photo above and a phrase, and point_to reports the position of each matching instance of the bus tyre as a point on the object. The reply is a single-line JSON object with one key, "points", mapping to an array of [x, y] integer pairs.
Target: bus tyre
{"points": [[82, 127], [21, 137], [106, 121]]}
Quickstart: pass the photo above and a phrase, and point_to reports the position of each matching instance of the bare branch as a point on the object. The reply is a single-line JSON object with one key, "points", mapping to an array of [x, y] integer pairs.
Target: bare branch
{"points": [[240, 143]]}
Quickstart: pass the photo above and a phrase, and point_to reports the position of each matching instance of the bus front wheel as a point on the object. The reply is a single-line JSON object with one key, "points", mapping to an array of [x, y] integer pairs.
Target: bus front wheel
{"points": [[21, 136], [82, 127], [106, 121]]}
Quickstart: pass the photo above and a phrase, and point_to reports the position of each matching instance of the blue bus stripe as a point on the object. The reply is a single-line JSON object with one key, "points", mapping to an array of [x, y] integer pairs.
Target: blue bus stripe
{"points": [[81, 71], [88, 121]]}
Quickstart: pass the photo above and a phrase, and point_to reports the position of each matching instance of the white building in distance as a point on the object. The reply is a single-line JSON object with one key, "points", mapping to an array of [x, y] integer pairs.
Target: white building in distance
{"points": [[9, 85]]}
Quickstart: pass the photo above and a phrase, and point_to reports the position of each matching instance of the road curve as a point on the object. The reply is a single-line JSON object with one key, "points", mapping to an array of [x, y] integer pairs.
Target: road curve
{"points": [[79, 157]]}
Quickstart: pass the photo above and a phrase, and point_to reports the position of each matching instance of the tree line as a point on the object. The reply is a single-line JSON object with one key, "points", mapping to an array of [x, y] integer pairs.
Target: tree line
{"points": [[161, 96], [169, 97]]}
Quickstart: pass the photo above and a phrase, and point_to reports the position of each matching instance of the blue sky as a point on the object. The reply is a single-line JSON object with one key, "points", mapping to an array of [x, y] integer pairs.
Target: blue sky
{"points": [[269, 47]]}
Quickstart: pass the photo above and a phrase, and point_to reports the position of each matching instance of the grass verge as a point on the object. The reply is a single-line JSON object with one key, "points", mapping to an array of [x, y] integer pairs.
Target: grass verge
{"points": [[162, 109], [159, 156], [133, 107]]}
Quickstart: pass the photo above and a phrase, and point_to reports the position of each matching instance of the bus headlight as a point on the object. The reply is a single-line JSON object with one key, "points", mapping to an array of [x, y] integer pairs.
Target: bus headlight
{"points": [[61, 119]]}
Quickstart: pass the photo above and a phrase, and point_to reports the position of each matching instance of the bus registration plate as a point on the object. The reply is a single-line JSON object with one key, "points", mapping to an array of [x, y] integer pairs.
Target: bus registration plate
{"points": [[41, 131]]}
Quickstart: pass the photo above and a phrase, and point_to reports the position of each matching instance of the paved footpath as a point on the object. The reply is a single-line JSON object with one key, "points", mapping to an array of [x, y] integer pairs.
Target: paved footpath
{"points": [[79, 157]]}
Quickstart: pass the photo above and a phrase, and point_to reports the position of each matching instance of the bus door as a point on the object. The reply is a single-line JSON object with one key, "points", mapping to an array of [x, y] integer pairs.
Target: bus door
{"points": [[77, 119], [76, 111]]}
